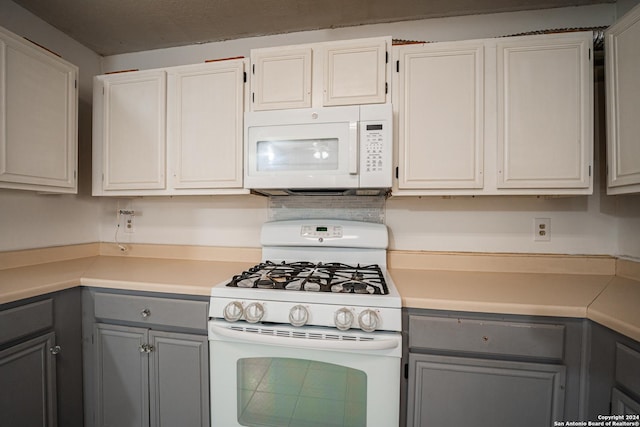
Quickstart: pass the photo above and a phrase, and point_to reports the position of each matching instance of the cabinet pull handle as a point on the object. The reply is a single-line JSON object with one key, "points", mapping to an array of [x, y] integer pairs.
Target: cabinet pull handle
{"points": [[145, 313], [145, 348], [55, 349]]}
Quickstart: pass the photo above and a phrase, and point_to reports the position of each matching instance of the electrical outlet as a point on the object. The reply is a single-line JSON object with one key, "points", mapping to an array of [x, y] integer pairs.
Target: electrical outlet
{"points": [[542, 229], [128, 223]]}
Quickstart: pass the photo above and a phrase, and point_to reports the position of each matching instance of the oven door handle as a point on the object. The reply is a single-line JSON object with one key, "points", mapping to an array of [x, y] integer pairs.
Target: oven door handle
{"points": [[320, 344]]}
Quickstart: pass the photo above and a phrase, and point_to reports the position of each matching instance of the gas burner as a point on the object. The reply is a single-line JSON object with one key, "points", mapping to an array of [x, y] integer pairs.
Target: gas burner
{"points": [[307, 276]]}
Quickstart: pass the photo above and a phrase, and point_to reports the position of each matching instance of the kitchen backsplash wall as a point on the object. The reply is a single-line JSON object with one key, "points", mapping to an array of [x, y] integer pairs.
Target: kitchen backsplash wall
{"points": [[591, 225], [354, 208]]}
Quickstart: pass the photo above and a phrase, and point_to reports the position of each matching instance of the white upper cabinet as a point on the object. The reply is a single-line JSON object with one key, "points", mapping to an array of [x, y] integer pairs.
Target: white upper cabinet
{"points": [[170, 131], [281, 78], [355, 72], [38, 118], [321, 74], [205, 125], [622, 62], [131, 128], [545, 112], [495, 116], [440, 131]]}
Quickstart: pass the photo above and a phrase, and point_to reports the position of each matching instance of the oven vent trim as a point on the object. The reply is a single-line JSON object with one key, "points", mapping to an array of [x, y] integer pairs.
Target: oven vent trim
{"points": [[318, 336]]}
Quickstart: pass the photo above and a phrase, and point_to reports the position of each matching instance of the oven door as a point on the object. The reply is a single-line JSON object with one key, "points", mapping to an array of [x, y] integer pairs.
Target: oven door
{"points": [[276, 375]]}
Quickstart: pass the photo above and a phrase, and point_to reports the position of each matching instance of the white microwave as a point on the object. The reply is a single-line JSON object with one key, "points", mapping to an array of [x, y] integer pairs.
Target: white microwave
{"points": [[331, 150]]}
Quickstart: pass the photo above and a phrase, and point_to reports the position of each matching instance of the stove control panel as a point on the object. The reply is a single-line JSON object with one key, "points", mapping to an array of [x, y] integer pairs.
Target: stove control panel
{"points": [[368, 319], [321, 231]]}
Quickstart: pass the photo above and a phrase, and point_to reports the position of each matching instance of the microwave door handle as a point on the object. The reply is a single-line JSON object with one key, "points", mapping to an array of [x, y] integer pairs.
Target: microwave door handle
{"points": [[353, 148]]}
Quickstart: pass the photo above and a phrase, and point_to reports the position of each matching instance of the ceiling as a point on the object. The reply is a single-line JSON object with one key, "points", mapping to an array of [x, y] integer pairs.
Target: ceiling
{"points": [[111, 27]]}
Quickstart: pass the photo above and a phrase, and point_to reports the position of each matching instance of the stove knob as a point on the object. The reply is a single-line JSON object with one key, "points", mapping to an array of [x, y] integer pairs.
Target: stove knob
{"points": [[254, 312], [368, 320], [343, 318], [233, 311], [298, 315]]}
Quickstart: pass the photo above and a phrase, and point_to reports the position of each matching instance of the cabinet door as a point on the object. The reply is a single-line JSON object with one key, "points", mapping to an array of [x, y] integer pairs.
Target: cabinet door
{"points": [[205, 108], [440, 116], [622, 42], [545, 111], [281, 78], [621, 404], [454, 391], [355, 72], [28, 391], [179, 379], [121, 376], [133, 130], [38, 118]]}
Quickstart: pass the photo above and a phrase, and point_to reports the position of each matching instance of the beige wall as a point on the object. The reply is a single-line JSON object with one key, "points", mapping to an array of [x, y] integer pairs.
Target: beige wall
{"points": [[592, 225]]}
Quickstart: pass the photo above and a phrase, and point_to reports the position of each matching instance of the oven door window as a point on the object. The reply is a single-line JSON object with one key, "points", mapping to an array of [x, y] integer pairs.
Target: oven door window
{"points": [[276, 391]]}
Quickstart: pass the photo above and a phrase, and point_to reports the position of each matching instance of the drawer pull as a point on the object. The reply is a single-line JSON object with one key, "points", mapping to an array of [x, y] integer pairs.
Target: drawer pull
{"points": [[55, 350], [145, 313]]}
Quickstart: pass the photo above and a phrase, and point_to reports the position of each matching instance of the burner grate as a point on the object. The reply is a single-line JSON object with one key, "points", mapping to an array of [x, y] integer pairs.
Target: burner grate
{"points": [[312, 277]]}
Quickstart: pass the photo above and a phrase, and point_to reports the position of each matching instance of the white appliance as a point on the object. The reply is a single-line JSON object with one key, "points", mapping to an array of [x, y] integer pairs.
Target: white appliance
{"points": [[311, 336], [318, 150]]}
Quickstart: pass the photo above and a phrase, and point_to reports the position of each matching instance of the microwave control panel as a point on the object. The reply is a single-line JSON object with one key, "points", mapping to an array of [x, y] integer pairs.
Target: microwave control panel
{"points": [[374, 147], [376, 151]]}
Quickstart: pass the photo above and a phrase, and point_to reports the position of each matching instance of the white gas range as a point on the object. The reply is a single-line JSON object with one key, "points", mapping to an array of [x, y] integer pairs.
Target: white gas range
{"points": [[317, 324]]}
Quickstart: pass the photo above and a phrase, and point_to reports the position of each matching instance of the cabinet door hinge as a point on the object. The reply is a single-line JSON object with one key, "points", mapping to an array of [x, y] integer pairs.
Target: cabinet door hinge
{"points": [[398, 66], [253, 97], [244, 76], [589, 54], [386, 87], [75, 174], [253, 68], [75, 84], [589, 170], [406, 371], [397, 172], [386, 57]]}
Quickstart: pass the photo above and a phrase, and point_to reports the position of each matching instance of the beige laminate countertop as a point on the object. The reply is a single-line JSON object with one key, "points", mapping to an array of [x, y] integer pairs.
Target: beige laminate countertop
{"points": [[610, 300], [174, 276], [564, 295]]}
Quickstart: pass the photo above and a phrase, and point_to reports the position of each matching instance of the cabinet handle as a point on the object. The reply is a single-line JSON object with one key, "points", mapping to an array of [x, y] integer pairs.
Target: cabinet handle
{"points": [[145, 348], [145, 313], [55, 350]]}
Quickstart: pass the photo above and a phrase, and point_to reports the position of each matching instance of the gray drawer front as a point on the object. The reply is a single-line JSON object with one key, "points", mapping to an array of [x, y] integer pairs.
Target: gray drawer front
{"points": [[159, 311], [26, 319], [487, 337], [628, 368]]}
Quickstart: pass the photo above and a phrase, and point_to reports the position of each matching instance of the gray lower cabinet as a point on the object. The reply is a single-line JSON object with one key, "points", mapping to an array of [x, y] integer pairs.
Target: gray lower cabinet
{"points": [[461, 391], [149, 359], [146, 377], [621, 404], [28, 383], [41, 361], [491, 370], [613, 370]]}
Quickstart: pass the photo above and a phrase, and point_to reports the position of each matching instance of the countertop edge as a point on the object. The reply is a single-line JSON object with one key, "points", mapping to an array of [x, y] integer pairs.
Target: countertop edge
{"points": [[82, 277]]}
